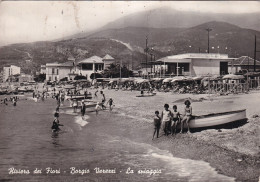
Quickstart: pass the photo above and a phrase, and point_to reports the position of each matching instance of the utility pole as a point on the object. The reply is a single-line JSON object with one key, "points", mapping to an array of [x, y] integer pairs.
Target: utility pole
{"points": [[146, 51], [120, 69], [255, 55], [208, 30]]}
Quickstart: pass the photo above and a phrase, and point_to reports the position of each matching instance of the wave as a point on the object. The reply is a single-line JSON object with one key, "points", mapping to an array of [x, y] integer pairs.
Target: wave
{"points": [[81, 121]]}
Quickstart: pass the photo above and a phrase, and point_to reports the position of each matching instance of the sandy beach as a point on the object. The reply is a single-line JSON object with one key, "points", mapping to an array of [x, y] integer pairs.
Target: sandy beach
{"points": [[233, 152]]}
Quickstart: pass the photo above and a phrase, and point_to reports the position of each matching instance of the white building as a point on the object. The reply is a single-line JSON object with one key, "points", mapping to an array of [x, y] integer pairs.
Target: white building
{"points": [[43, 69], [9, 71], [108, 60], [194, 64], [58, 71], [90, 65], [25, 78]]}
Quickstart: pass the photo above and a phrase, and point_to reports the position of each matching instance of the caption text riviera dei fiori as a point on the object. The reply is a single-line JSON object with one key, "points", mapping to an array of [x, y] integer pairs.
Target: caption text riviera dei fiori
{"points": [[74, 170]]}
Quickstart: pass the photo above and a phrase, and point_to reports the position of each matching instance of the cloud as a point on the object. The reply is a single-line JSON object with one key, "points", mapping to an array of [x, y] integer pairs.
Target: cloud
{"points": [[26, 21]]}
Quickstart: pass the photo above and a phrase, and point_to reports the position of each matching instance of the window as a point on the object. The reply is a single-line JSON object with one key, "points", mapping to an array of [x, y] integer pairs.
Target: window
{"points": [[53, 70], [55, 78], [57, 71], [87, 66], [185, 67], [49, 78]]}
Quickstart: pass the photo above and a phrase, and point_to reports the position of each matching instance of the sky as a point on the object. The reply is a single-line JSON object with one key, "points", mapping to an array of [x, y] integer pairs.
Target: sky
{"points": [[29, 21]]}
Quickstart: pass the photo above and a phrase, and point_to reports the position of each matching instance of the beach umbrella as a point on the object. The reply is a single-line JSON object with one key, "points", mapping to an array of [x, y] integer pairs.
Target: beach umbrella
{"points": [[188, 78], [69, 86], [197, 78], [178, 78], [142, 81], [156, 79], [233, 77], [166, 80]]}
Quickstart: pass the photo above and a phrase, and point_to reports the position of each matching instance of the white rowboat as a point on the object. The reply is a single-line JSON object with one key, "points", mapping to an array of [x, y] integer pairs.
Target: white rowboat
{"points": [[215, 119]]}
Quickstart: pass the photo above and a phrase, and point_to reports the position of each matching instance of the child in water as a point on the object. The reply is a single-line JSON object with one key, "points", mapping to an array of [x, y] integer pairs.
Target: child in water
{"points": [[175, 119], [55, 125], [97, 108], [157, 124], [111, 104], [187, 115]]}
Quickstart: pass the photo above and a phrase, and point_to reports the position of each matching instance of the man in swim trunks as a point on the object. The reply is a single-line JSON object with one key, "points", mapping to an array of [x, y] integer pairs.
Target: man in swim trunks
{"points": [[175, 119], [166, 118]]}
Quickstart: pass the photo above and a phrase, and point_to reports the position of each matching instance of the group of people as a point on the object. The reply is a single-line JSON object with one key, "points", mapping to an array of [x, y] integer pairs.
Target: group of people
{"points": [[12, 99], [168, 120]]}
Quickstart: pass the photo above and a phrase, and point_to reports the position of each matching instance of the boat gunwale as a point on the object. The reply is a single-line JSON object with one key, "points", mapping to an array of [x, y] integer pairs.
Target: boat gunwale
{"points": [[218, 114]]}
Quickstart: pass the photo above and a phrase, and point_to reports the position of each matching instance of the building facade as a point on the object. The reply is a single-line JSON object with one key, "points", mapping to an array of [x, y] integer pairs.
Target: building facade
{"points": [[58, 71], [10, 71], [72, 68], [193, 64], [25, 78], [43, 69], [90, 65], [108, 60], [243, 64]]}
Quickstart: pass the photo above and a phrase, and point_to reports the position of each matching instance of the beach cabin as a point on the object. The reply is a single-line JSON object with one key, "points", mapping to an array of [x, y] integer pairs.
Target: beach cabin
{"points": [[193, 64], [90, 65]]}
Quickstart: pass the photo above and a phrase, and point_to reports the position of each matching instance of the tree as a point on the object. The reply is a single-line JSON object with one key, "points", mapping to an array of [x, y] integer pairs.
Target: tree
{"points": [[80, 77], [95, 75], [114, 71], [40, 78], [64, 79]]}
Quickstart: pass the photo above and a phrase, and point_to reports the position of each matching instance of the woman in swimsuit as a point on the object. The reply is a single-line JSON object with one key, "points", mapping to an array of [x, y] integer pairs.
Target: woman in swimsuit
{"points": [[187, 115]]}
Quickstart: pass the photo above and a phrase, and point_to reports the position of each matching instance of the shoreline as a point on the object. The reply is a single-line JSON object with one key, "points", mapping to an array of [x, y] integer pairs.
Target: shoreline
{"points": [[225, 159]]}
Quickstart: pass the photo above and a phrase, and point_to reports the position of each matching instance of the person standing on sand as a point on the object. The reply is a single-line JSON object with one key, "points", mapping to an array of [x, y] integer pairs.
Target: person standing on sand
{"points": [[166, 118], [157, 124], [175, 119], [187, 115]]}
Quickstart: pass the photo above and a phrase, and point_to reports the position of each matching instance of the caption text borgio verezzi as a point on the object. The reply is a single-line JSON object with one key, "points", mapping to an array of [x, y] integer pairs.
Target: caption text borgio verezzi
{"points": [[74, 170]]}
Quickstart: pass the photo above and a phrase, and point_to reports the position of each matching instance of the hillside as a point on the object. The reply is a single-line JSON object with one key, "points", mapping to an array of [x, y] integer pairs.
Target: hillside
{"points": [[168, 18], [127, 44], [46, 52], [224, 37]]}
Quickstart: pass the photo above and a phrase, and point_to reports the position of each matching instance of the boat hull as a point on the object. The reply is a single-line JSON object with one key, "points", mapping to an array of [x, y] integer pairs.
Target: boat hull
{"points": [[216, 119]]}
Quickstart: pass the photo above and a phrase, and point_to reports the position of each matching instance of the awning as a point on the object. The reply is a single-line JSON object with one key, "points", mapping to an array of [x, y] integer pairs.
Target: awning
{"points": [[173, 60]]}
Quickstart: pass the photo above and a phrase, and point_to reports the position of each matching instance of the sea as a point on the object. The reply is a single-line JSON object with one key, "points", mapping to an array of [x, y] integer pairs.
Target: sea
{"points": [[83, 150]]}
